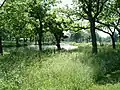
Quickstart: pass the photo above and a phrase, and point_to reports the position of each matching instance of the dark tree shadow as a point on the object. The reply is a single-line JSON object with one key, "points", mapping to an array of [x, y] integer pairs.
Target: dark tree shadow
{"points": [[109, 66], [111, 78], [16, 62]]}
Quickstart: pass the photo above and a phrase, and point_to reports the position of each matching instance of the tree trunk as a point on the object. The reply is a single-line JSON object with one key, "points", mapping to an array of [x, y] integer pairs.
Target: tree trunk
{"points": [[25, 41], [93, 35], [57, 42], [58, 45], [1, 48], [30, 39], [40, 36], [40, 42], [17, 42], [119, 39], [113, 42]]}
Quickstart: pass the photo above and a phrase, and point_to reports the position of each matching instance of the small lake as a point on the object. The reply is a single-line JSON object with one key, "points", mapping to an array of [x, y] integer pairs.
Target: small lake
{"points": [[63, 45], [45, 47]]}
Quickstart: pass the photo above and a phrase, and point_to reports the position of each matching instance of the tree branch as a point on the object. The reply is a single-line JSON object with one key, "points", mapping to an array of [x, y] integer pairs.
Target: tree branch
{"points": [[3, 3], [102, 30], [99, 9], [102, 23], [82, 27]]}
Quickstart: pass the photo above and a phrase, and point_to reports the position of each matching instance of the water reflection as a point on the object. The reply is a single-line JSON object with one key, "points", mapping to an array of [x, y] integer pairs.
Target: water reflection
{"points": [[45, 47]]}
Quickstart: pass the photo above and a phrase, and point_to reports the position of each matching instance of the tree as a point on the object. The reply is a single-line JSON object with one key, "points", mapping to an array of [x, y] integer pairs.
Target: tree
{"points": [[80, 36], [48, 38], [38, 11], [56, 25], [77, 36], [3, 3], [116, 14], [108, 30], [90, 10], [1, 17], [109, 20], [1, 31], [16, 18]]}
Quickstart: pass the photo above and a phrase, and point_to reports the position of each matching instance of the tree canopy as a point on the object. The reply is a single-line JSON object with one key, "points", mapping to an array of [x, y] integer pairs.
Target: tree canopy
{"points": [[32, 18]]}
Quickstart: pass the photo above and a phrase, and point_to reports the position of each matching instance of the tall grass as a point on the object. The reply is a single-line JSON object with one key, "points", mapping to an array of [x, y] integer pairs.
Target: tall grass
{"points": [[25, 69], [31, 70]]}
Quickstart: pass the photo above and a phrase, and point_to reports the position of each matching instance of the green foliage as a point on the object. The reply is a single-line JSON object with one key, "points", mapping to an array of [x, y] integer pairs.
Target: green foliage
{"points": [[54, 25], [48, 38], [15, 18], [25, 69], [37, 9]]}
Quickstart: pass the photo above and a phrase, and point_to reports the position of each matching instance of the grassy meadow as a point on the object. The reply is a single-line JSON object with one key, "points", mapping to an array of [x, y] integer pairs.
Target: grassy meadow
{"points": [[25, 69]]}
